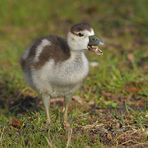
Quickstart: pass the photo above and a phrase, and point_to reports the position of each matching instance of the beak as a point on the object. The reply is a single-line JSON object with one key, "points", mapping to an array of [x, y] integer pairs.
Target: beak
{"points": [[94, 41], [93, 44]]}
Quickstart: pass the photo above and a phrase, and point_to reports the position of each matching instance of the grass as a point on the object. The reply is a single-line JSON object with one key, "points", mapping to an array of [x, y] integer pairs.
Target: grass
{"points": [[115, 94]]}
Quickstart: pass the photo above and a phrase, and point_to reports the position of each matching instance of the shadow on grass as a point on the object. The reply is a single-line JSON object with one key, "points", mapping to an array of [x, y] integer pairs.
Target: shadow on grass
{"points": [[24, 104], [15, 102]]}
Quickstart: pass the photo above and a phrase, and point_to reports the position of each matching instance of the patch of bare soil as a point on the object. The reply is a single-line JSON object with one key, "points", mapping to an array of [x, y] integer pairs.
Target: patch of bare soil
{"points": [[113, 128]]}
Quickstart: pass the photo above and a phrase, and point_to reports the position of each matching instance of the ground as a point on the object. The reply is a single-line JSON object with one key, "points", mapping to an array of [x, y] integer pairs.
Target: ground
{"points": [[114, 107]]}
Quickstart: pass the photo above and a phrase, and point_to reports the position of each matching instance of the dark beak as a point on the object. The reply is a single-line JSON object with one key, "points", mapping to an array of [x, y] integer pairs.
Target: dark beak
{"points": [[94, 43]]}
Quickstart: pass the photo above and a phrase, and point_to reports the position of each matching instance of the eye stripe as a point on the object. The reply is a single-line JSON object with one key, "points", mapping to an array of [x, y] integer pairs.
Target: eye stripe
{"points": [[78, 34]]}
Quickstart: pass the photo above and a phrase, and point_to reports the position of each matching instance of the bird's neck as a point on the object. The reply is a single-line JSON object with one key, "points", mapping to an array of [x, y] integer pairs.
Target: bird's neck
{"points": [[77, 54]]}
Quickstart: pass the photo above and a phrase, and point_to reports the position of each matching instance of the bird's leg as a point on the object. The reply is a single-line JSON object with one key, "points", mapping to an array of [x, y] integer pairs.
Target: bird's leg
{"points": [[67, 126], [66, 115], [67, 100], [46, 103]]}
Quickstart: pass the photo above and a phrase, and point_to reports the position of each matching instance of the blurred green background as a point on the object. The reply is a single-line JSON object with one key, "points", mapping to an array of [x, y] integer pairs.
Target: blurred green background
{"points": [[121, 23], [123, 69]]}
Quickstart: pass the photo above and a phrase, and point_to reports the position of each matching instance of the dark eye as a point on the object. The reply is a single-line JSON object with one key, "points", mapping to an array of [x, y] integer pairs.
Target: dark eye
{"points": [[80, 34]]}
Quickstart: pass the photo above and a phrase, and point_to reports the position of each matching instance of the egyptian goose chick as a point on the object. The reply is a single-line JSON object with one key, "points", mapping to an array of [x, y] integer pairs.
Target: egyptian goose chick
{"points": [[56, 67]]}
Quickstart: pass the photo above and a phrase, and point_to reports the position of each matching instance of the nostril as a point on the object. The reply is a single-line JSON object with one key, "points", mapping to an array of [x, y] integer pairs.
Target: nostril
{"points": [[94, 39]]}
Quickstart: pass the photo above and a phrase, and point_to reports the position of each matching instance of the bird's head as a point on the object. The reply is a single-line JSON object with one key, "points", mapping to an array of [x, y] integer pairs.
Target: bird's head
{"points": [[81, 36]]}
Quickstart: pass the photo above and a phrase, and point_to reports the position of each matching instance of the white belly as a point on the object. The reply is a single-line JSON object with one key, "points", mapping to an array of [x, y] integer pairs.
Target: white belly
{"points": [[62, 78]]}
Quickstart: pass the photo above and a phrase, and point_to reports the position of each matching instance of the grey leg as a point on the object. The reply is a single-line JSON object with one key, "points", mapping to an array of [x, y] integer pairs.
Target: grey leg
{"points": [[66, 101], [66, 124], [46, 102]]}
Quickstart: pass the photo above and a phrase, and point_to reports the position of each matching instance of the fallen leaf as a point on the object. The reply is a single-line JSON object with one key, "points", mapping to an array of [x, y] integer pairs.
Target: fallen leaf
{"points": [[130, 57], [59, 101], [78, 99], [16, 123], [109, 136], [132, 89]]}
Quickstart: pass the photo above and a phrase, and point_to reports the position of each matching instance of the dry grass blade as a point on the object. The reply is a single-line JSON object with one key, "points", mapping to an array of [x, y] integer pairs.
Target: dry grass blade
{"points": [[141, 144], [1, 136], [90, 126], [69, 137], [50, 142], [128, 141], [126, 133]]}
